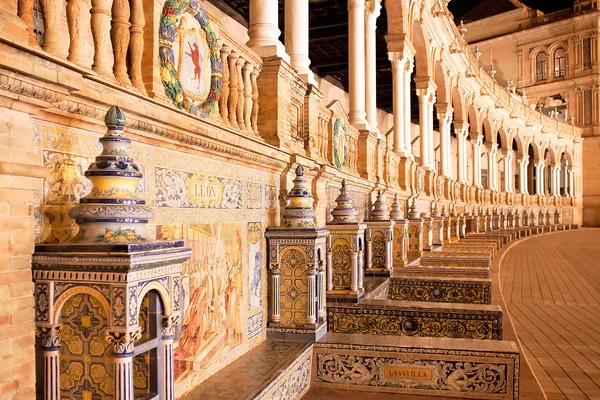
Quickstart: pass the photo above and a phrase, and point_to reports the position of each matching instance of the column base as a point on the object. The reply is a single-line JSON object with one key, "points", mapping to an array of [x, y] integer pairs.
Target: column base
{"points": [[310, 332], [378, 272], [269, 50]]}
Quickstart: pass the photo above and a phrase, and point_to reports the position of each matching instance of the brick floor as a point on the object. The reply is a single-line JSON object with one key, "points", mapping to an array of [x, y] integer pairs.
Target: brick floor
{"points": [[551, 286]]}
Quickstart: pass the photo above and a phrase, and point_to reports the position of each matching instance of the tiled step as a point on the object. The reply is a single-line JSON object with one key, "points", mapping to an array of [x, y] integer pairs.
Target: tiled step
{"points": [[440, 290], [498, 243], [445, 271], [505, 236], [474, 369], [404, 318], [453, 259]]}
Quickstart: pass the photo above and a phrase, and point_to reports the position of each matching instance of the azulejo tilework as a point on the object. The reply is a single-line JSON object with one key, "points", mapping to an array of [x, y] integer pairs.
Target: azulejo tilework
{"points": [[190, 59], [380, 319], [441, 290], [468, 374]]}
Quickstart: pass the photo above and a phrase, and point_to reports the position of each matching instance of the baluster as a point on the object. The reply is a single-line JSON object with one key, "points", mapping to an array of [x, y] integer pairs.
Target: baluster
{"points": [[240, 104], [52, 13], [224, 85], [101, 34], [136, 44], [254, 117], [247, 70], [25, 12], [120, 40], [79, 24], [233, 89]]}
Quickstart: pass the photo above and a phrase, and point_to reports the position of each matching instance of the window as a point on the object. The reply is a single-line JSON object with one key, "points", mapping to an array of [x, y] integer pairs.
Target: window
{"points": [[587, 107], [540, 66], [587, 52], [559, 63]]}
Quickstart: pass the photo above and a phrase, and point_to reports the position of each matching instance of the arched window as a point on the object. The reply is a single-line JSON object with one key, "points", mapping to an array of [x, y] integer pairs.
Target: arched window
{"points": [[38, 21], [559, 63], [541, 66]]}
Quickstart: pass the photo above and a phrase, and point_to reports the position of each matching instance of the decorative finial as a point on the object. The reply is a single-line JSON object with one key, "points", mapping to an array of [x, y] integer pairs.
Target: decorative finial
{"points": [[396, 211], [299, 212], [435, 209], [112, 211], [477, 52], [444, 211], [379, 211], [462, 29], [345, 211], [413, 212]]}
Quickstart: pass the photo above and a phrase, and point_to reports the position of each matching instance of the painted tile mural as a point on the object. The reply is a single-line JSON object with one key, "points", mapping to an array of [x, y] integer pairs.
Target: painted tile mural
{"points": [[219, 209]]}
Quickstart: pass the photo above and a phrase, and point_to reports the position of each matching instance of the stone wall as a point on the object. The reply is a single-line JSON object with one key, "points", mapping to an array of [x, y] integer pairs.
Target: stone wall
{"points": [[19, 177]]}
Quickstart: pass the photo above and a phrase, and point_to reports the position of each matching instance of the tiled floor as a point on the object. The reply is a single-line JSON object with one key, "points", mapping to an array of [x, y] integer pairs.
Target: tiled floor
{"points": [[551, 285]]}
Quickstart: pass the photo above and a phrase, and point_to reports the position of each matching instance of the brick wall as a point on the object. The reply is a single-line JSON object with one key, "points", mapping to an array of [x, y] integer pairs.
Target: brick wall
{"points": [[19, 178]]}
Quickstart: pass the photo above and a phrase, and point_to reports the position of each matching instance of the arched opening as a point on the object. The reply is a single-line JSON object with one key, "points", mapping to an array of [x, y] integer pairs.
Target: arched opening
{"points": [[559, 63], [531, 173], [147, 360], [541, 66]]}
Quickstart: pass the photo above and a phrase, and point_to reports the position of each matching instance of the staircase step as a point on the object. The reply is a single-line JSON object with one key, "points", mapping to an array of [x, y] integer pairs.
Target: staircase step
{"points": [[440, 290], [406, 318], [412, 365], [487, 249]]}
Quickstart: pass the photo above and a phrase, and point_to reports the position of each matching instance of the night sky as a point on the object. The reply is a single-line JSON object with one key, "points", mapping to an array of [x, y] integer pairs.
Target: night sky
{"points": [[461, 7]]}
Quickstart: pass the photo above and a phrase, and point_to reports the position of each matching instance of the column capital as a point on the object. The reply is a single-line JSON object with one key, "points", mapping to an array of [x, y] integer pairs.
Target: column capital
{"points": [[523, 159], [372, 10], [49, 336], [492, 147], [356, 3], [169, 325], [461, 127], [123, 342]]}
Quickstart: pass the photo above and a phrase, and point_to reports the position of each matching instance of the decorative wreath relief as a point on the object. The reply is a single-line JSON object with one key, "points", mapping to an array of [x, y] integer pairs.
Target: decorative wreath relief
{"points": [[340, 143], [190, 59]]}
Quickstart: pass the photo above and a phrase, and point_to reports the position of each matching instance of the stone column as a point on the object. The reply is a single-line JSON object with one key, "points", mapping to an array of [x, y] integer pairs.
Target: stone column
{"points": [[555, 175], [119, 34], [425, 128], [372, 10], [254, 115], [571, 183], [431, 146], [50, 343], [361, 271], [123, 344], [354, 275], [523, 162], [275, 317], [78, 23], [445, 121], [539, 175], [321, 293], [477, 162], [136, 44], [296, 38], [398, 65], [368, 250], [169, 324], [224, 85], [566, 178], [461, 152], [508, 175], [101, 33], [311, 312], [356, 64], [52, 20], [409, 66], [264, 29], [329, 269]]}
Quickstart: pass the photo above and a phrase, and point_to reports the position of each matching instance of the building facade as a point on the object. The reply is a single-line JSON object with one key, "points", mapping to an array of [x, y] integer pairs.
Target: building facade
{"points": [[220, 116], [552, 60]]}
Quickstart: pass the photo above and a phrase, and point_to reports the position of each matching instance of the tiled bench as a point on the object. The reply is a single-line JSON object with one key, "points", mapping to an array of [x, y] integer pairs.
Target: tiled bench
{"points": [[450, 259], [440, 290], [445, 271], [411, 365], [488, 249], [404, 318]]}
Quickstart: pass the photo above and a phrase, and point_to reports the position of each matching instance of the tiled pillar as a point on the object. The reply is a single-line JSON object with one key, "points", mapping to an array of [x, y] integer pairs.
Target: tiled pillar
{"points": [[50, 342], [311, 312], [123, 344], [275, 316], [169, 325]]}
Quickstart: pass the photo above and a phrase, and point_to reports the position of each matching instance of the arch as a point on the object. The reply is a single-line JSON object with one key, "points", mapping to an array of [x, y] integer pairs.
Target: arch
{"points": [[568, 156], [541, 66], [398, 20], [537, 151], [67, 294], [552, 155], [458, 103], [474, 121], [503, 139], [558, 60], [441, 81], [520, 144], [164, 296], [420, 42], [488, 131]]}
